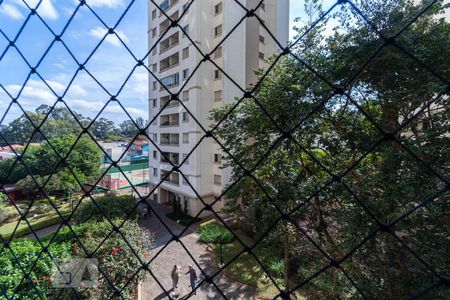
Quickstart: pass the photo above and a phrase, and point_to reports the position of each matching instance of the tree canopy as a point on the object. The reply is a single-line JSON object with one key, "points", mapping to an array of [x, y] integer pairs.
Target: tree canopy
{"points": [[59, 122], [44, 162], [340, 156]]}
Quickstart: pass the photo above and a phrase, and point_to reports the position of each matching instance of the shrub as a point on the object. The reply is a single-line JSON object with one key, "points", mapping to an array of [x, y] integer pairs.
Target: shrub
{"points": [[206, 223], [27, 252], [115, 207], [7, 213], [276, 267], [215, 234], [115, 257]]}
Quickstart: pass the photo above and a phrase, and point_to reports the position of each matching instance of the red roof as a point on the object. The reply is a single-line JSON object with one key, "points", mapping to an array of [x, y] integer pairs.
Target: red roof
{"points": [[140, 142], [10, 148]]}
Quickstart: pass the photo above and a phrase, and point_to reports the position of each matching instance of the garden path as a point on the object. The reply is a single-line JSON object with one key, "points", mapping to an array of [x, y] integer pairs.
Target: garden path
{"points": [[175, 253]]}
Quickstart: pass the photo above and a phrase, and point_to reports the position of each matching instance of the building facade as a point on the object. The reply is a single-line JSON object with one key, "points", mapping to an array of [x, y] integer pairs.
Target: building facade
{"points": [[174, 59]]}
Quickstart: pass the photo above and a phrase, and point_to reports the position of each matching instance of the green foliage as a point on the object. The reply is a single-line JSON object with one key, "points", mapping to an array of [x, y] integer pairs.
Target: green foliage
{"points": [[276, 267], [207, 223], [115, 256], [84, 160], [27, 251], [61, 122], [111, 205], [40, 216], [333, 133], [116, 259], [215, 234]]}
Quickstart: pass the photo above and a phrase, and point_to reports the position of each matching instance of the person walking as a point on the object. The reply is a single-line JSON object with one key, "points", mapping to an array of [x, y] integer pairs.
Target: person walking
{"points": [[175, 278], [192, 278], [146, 211]]}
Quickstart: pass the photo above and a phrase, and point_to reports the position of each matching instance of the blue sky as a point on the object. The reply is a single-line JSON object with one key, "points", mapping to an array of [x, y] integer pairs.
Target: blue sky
{"points": [[111, 64]]}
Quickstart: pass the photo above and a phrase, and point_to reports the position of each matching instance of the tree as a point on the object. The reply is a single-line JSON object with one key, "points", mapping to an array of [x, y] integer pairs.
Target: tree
{"points": [[103, 128], [216, 234], [336, 135], [45, 160], [128, 129]]}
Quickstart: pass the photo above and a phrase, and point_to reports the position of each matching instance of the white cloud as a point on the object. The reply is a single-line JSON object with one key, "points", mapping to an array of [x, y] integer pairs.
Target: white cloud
{"points": [[83, 105], [99, 32], [131, 110], [33, 89], [11, 11], [45, 9], [105, 3]]}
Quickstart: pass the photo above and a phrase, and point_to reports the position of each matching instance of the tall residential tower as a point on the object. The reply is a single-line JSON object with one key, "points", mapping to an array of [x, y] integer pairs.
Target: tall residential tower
{"points": [[175, 58]]}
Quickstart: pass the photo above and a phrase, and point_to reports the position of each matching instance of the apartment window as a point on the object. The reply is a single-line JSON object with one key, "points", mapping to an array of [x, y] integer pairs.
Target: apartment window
{"points": [[154, 102], [185, 159], [217, 180], [218, 52], [185, 52], [218, 8], [261, 55], [154, 32], [155, 172], [217, 75], [218, 96], [184, 180], [218, 31], [154, 68], [185, 95], [154, 51], [155, 137], [171, 80], [262, 40], [166, 5], [154, 85], [217, 158], [185, 74], [185, 6], [185, 116], [186, 137], [155, 154], [154, 14], [185, 30]]}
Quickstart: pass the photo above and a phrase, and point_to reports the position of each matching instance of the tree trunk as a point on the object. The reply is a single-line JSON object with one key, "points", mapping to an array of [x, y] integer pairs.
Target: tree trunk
{"points": [[286, 258]]}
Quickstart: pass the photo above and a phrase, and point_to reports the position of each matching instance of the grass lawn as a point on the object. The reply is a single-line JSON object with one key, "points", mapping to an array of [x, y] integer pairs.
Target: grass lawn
{"points": [[245, 269], [36, 222]]}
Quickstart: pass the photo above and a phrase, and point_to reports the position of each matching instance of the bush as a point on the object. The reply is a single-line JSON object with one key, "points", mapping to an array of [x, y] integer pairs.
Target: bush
{"points": [[7, 213], [27, 252], [215, 234], [36, 224], [115, 207], [115, 257], [206, 223], [276, 267]]}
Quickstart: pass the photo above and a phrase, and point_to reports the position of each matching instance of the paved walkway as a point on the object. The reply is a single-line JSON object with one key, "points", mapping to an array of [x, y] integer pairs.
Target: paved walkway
{"points": [[175, 253], [44, 231]]}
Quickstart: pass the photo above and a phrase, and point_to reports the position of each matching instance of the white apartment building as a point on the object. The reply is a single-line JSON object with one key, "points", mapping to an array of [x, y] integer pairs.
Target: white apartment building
{"points": [[174, 59]]}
